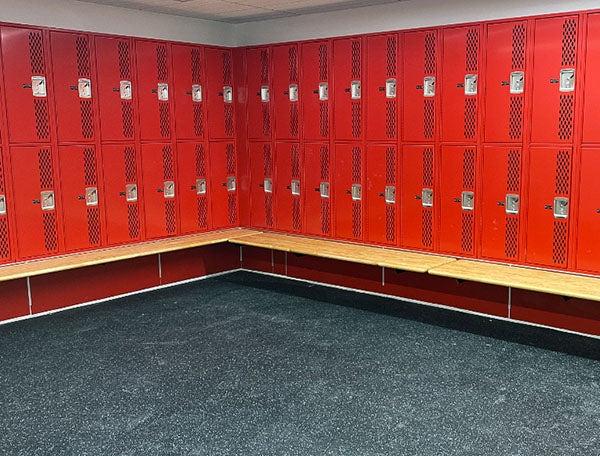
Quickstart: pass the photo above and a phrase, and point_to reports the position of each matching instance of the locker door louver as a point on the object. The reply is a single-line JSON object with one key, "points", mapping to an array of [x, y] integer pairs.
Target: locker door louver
{"points": [[91, 182], [513, 186], [202, 206], [567, 100], [293, 79], [472, 64], [428, 181], [133, 216], [357, 203], [356, 103], [515, 124], [197, 80], [325, 204], [265, 81], [169, 176], [162, 72], [231, 195], [84, 71], [296, 198], [324, 77], [430, 71], [125, 75], [268, 174], [4, 240], [562, 190], [468, 186], [390, 208], [47, 184], [38, 68], [227, 81], [391, 104]]}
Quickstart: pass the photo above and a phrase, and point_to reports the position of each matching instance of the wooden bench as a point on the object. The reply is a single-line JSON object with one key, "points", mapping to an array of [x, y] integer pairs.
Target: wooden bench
{"points": [[344, 251], [125, 252]]}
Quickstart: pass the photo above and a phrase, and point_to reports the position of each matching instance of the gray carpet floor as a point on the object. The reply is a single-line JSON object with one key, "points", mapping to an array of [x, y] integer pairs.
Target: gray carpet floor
{"points": [[251, 365]]}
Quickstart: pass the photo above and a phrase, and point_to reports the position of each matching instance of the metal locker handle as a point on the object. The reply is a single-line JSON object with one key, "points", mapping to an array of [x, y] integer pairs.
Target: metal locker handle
{"points": [[356, 192], [517, 82], [200, 186], [471, 84], [169, 189], [163, 91], [227, 94], [268, 185], [38, 86], [355, 90], [390, 88], [2, 204], [131, 193], [429, 86], [561, 208], [567, 80], [323, 91], [196, 93], [84, 87], [427, 197], [390, 194], [512, 204], [125, 90], [293, 92], [265, 94], [91, 196], [324, 189], [231, 184], [467, 201], [295, 187], [47, 200]]}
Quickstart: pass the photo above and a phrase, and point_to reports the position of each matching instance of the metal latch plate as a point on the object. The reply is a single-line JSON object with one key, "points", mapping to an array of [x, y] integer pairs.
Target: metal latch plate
{"points": [[38, 86], [429, 86], [567, 80], [293, 92], [512, 204], [268, 185], [163, 91], [169, 189], [47, 200], [228, 94], [295, 187], [323, 91], [467, 201], [390, 88], [471, 84], [355, 90], [427, 197], [231, 184], [324, 189], [131, 193], [84, 86], [356, 192], [265, 94], [2, 204], [196, 93], [561, 208], [91, 196], [125, 90], [201, 186], [517, 82], [390, 194]]}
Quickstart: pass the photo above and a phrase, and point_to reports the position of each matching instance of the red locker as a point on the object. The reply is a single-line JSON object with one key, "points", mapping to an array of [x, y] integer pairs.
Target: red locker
{"points": [[505, 81], [347, 90], [461, 49], [219, 96], [160, 203], [501, 203], [120, 168], [5, 250], [419, 75], [554, 65], [317, 197], [259, 93], [80, 197], [588, 226], [153, 61], [74, 86], [315, 57], [418, 197], [286, 92], [591, 132], [548, 206], [115, 88], [223, 184], [33, 180], [188, 86], [288, 187], [262, 185], [192, 166], [348, 191], [26, 85], [382, 80], [457, 200], [382, 210]]}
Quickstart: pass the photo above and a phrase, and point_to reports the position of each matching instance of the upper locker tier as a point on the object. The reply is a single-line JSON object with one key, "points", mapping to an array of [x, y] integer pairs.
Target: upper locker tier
{"points": [[315, 58], [286, 93], [348, 80], [220, 93], [188, 91], [259, 93]]}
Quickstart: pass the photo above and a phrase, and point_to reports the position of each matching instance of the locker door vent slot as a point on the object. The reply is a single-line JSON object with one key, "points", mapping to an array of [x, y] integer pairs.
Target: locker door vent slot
{"points": [[131, 193], [265, 94], [169, 189], [84, 86], [47, 198], [228, 94], [324, 189], [390, 88], [163, 91], [268, 185], [2, 205], [512, 204], [567, 80], [429, 86], [38, 86], [125, 90], [323, 91], [231, 184], [561, 208], [355, 90], [201, 186], [390, 194], [196, 93], [295, 187], [427, 197], [91, 196], [467, 201], [356, 192], [517, 82], [293, 92], [471, 84]]}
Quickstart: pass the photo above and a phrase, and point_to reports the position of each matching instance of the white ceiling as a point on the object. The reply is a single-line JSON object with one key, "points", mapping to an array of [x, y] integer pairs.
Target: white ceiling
{"points": [[239, 11]]}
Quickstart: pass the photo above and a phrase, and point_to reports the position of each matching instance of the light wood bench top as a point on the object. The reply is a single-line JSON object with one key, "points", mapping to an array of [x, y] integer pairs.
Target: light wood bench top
{"points": [[558, 283], [357, 253], [125, 252]]}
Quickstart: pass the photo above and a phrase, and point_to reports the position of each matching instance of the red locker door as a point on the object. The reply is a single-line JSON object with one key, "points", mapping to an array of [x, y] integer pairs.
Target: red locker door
{"points": [[262, 182], [80, 197], [288, 191], [347, 90], [26, 85], [153, 67], [555, 59], [348, 188], [457, 198], [591, 132], [259, 93], [115, 88], [548, 206], [419, 73], [317, 199], [315, 57], [418, 197], [588, 226], [219, 87], [286, 92], [382, 80], [33, 180], [160, 207], [74, 86], [188, 86], [121, 187], [460, 83], [501, 201], [223, 183], [5, 251], [381, 194], [505, 81], [193, 187]]}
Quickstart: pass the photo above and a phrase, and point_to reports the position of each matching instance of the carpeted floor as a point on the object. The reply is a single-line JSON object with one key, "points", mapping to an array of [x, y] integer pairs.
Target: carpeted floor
{"points": [[251, 365]]}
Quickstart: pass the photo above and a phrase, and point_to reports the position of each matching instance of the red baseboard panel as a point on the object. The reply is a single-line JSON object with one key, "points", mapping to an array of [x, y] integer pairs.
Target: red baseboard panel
{"points": [[198, 262], [14, 301]]}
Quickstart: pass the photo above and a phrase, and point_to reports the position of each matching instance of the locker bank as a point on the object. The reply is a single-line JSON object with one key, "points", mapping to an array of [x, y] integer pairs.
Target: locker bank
{"points": [[299, 227]]}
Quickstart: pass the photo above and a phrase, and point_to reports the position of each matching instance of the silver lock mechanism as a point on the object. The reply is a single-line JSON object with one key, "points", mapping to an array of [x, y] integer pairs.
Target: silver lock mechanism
{"points": [[517, 82], [231, 185], [355, 90], [196, 93], [293, 92], [125, 90], [84, 86], [323, 91], [38, 86], [2, 204], [429, 86], [201, 186], [471, 84], [512, 204], [427, 197], [324, 189], [169, 189], [163, 91], [131, 193], [567, 80], [228, 94], [561, 208], [390, 88], [467, 201], [265, 94], [295, 187], [390, 194], [268, 185], [47, 200], [91, 196], [356, 192]]}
